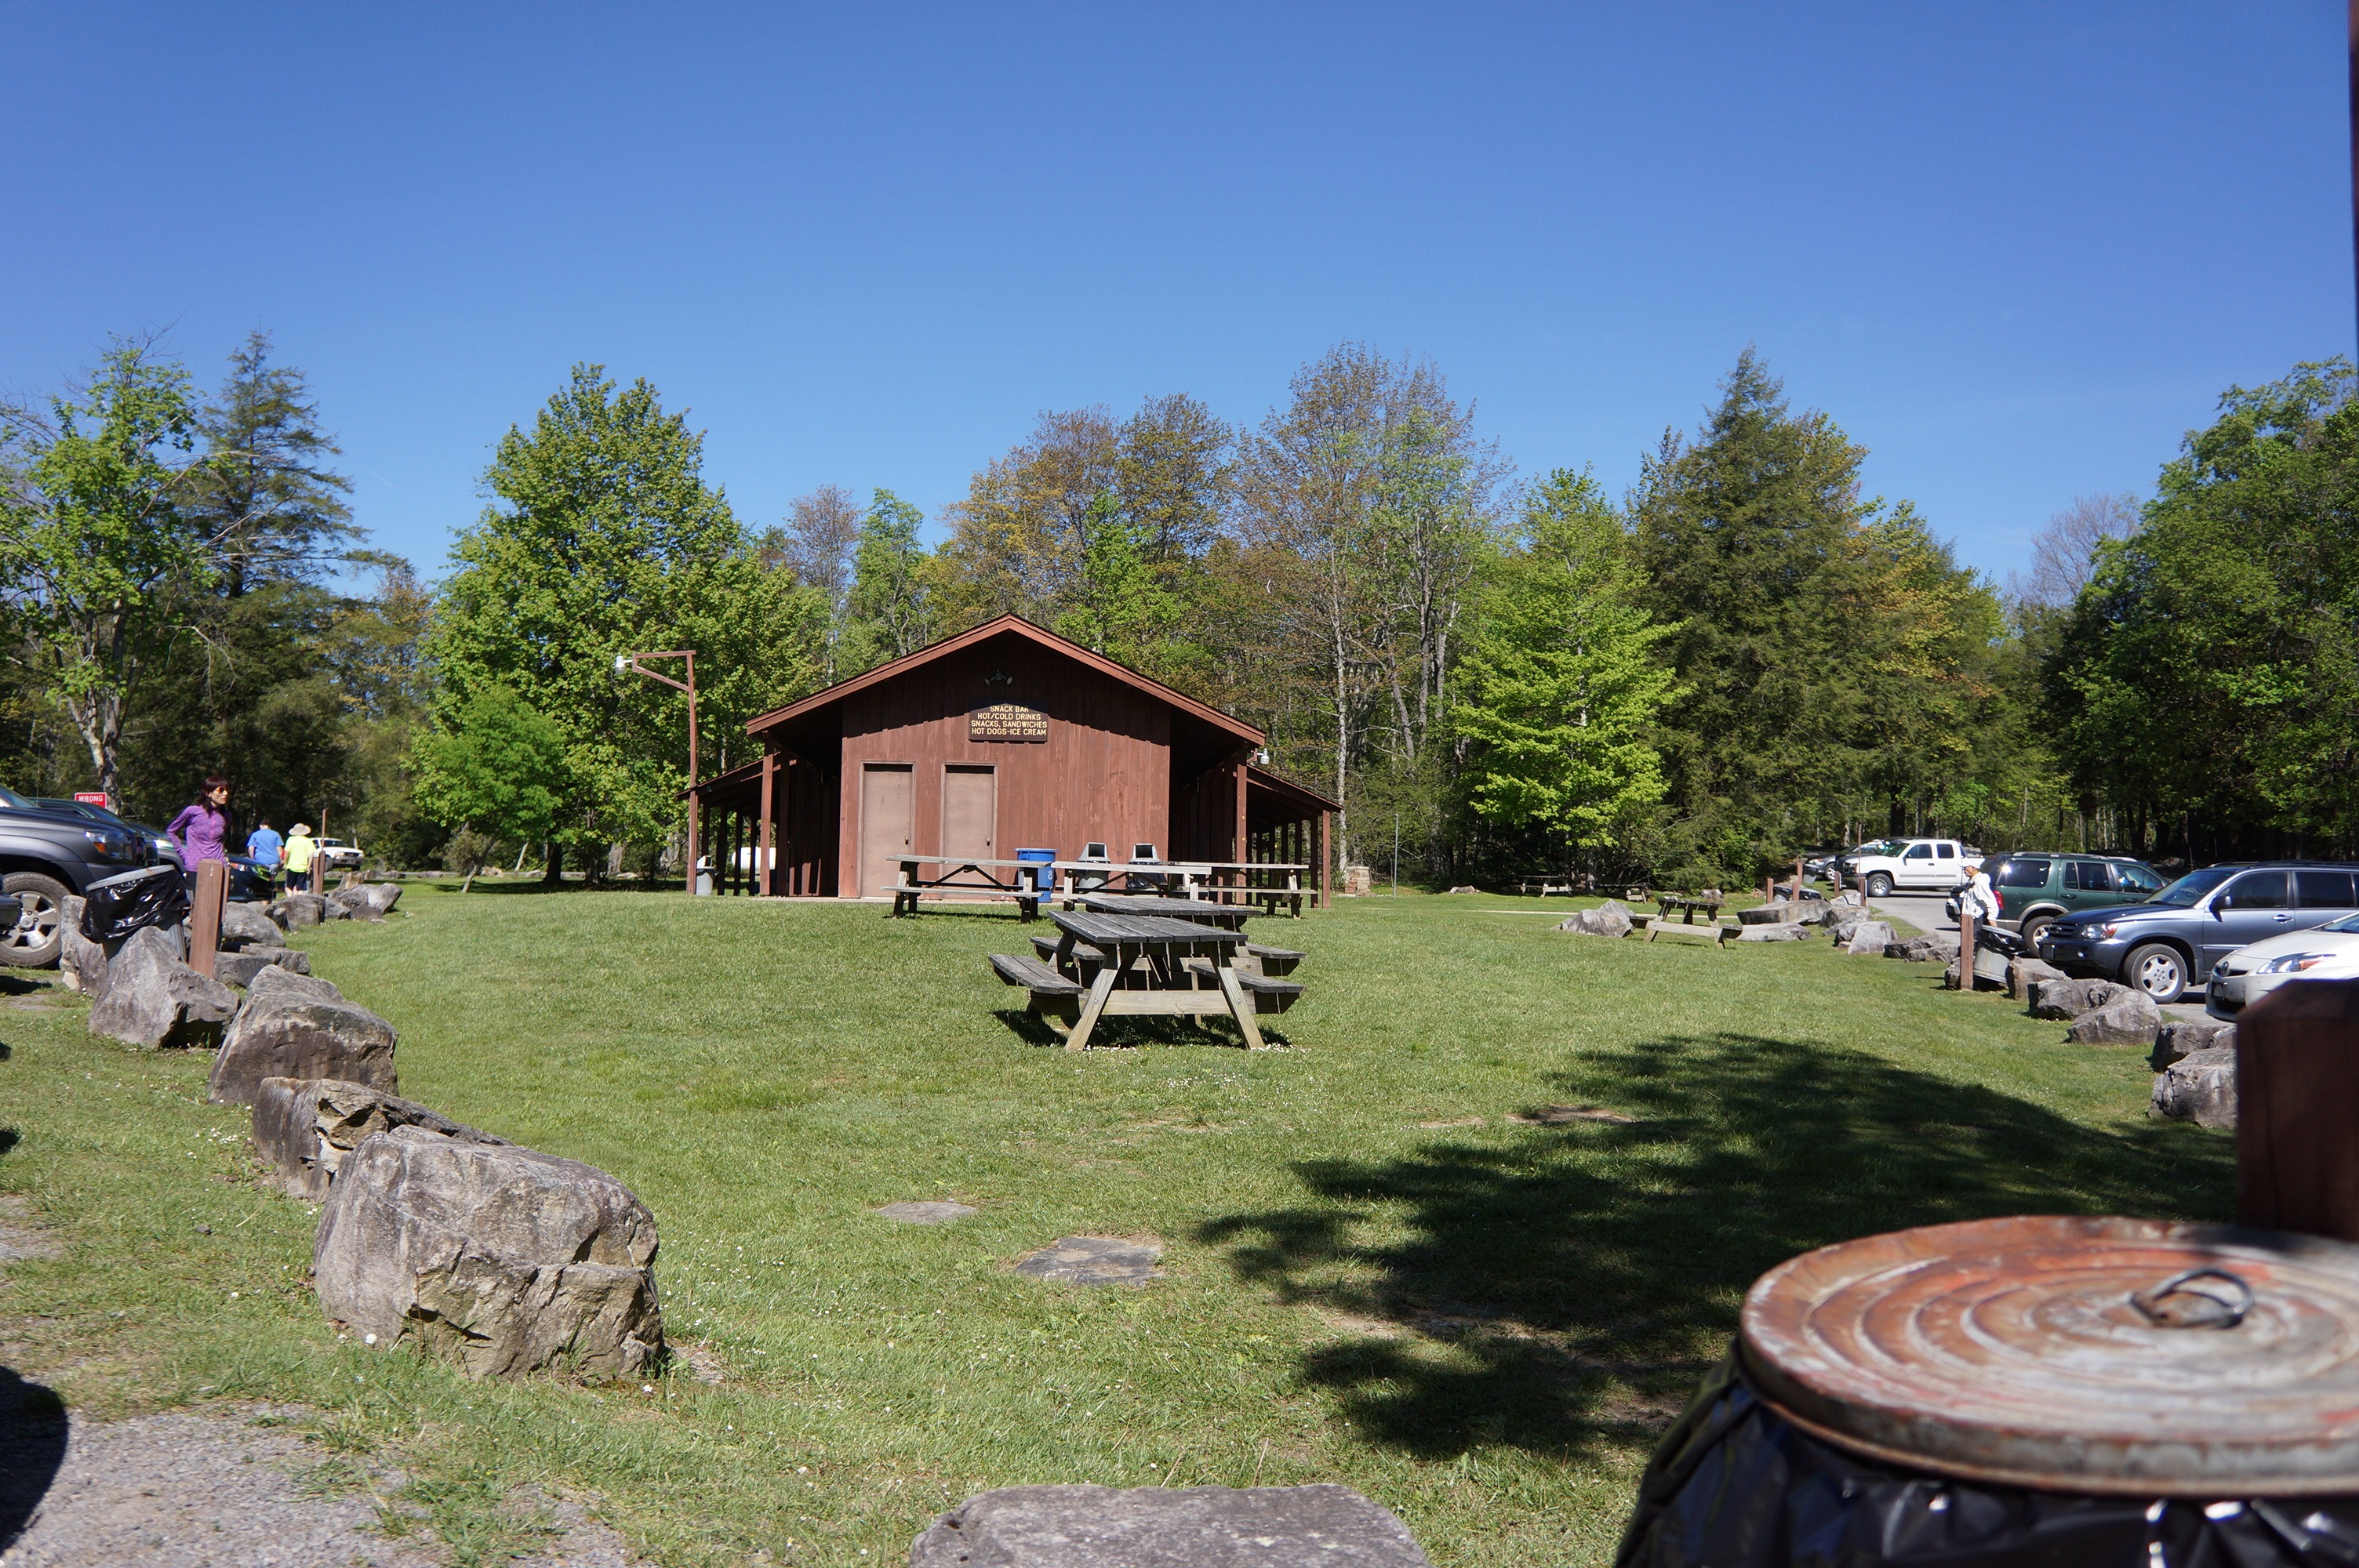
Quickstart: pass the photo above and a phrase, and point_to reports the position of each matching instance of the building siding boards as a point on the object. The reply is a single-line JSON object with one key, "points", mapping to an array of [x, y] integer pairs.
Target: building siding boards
{"points": [[1103, 773]]}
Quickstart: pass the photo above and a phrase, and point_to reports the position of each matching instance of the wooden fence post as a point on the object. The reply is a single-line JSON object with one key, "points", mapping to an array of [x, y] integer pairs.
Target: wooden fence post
{"points": [[2297, 1109], [205, 915]]}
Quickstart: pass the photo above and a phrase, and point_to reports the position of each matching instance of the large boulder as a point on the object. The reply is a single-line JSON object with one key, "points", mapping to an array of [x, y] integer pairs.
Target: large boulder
{"points": [[1783, 912], [1868, 938], [355, 902], [385, 895], [81, 963], [505, 1259], [240, 968], [247, 925], [2070, 998], [2129, 1020], [297, 1026], [2021, 972], [2200, 1088], [153, 1000], [299, 909], [305, 1128], [1792, 931], [1925, 948], [1608, 919], [2185, 1036], [1319, 1526]]}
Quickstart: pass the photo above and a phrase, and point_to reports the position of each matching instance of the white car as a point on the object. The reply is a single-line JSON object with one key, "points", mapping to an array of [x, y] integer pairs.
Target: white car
{"points": [[1911, 865], [338, 855], [2328, 952]]}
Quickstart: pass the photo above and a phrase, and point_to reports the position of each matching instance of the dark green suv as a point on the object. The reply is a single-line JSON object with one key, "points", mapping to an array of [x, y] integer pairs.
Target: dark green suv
{"points": [[2034, 889]]}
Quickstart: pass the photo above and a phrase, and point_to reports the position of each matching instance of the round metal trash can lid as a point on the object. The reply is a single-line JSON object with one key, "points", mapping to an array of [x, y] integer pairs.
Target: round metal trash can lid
{"points": [[2101, 1355]]}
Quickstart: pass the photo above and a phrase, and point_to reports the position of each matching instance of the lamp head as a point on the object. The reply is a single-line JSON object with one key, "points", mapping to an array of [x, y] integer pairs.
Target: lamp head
{"points": [[622, 664]]}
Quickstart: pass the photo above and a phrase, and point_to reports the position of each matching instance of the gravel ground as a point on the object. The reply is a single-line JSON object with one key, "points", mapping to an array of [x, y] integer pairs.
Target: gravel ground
{"points": [[221, 1490]]}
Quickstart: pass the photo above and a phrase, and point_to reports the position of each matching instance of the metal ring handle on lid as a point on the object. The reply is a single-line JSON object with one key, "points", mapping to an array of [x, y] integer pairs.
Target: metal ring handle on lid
{"points": [[2224, 1315]]}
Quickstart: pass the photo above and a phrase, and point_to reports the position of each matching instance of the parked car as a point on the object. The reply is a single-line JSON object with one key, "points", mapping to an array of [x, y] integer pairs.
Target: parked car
{"points": [[2169, 945], [1910, 865], [340, 855], [2328, 952], [2033, 888], [49, 857]]}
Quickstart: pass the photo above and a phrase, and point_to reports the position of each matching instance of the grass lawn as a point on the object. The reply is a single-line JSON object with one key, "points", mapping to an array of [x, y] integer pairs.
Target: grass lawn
{"points": [[1376, 1274]]}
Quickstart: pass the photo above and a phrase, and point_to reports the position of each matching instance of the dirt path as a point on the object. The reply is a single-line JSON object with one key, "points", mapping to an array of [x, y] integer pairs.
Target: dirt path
{"points": [[216, 1491]]}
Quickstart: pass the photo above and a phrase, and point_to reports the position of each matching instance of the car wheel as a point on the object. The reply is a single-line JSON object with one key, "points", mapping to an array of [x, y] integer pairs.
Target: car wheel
{"points": [[2158, 971], [2035, 926], [1879, 885], [36, 941]]}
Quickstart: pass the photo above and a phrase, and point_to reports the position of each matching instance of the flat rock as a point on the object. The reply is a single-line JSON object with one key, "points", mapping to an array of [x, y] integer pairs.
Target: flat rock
{"points": [[1926, 948], [298, 1026], [926, 1213], [1465, 888], [1093, 1260], [247, 926], [2200, 1088], [1155, 1527], [2131, 1019], [1611, 918], [299, 909], [1793, 931], [2021, 972], [1869, 938], [504, 1259], [1781, 912], [357, 905], [2185, 1036], [240, 968], [305, 1128], [2070, 998], [153, 1000]]}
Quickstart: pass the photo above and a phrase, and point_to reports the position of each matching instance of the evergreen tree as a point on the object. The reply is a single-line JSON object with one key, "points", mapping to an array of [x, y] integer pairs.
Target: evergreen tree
{"points": [[265, 503]]}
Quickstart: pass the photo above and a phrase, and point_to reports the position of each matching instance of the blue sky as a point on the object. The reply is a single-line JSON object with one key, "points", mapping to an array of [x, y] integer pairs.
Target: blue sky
{"points": [[2014, 250]]}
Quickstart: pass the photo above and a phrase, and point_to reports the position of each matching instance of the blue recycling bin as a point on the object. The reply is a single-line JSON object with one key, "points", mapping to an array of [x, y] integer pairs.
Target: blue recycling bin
{"points": [[1044, 880]]}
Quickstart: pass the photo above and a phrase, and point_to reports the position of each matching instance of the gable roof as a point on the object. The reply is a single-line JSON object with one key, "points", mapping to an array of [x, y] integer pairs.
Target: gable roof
{"points": [[1007, 625]]}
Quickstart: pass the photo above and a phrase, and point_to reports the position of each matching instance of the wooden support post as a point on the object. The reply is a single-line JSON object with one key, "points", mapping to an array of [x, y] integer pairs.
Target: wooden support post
{"points": [[2297, 1109], [1078, 1037], [1241, 1008], [205, 915], [1797, 877], [1326, 868], [1965, 946], [766, 877]]}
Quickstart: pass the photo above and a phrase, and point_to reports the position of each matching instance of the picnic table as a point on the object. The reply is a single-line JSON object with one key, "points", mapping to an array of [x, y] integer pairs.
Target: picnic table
{"points": [[1256, 958], [1667, 904], [971, 879], [1115, 965]]}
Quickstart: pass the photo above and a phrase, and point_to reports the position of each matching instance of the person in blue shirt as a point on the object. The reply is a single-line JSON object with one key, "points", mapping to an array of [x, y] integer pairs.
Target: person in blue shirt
{"points": [[264, 845]]}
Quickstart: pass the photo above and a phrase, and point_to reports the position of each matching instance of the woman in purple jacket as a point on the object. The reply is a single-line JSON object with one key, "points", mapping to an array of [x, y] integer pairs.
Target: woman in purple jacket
{"points": [[201, 830]]}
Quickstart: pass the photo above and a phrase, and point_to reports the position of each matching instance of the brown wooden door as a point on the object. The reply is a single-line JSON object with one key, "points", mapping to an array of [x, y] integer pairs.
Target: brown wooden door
{"points": [[969, 811], [888, 802]]}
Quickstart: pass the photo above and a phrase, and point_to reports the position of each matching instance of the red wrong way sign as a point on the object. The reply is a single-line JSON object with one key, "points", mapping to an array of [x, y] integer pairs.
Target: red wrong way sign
{"points": [[94, 797]]}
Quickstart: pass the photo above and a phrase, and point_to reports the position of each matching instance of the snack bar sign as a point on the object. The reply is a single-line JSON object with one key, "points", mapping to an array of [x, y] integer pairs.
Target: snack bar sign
{"points": [[1007, 721]]}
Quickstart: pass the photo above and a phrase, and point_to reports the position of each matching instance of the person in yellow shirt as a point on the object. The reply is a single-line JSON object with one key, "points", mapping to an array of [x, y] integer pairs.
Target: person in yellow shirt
{"points": [[300, 852]]}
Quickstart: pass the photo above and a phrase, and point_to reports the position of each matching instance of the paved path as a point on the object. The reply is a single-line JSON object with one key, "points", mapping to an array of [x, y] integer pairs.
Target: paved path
{"points": [[1921, 911]]}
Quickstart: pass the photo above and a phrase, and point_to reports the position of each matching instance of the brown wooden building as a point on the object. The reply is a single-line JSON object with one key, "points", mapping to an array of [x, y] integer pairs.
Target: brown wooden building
{"points": [[1005, 737]]}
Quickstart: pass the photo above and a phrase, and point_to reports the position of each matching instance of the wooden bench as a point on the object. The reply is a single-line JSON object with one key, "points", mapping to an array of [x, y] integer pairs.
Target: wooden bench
{"points": [[1051, 993], [1273, 960], [1268, 995]]}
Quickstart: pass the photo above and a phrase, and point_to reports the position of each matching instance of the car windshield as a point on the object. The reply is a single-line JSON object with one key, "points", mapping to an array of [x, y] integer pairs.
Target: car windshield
{"points": [[2348, 923], [2182, 893], [1876, 847], [15, 802]]}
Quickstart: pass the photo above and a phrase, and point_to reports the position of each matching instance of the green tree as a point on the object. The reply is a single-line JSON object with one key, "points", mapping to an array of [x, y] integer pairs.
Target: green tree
{"points": [[1122, 608], [603, 539], [96, 551], [263, 499], [501, 770], [891, 603], [1560, 692]]}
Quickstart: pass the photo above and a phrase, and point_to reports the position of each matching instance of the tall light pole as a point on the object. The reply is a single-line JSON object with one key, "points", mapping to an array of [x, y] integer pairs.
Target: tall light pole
{"points": [[629, 663]]}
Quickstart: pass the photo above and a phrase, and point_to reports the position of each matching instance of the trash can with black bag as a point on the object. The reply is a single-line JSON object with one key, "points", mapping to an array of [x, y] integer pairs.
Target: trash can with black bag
{"points": [[114, 907], [2027, 1392]]}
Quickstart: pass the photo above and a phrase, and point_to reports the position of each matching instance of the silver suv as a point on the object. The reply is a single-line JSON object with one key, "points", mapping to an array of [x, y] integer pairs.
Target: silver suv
{"points": [[2166, 946]]}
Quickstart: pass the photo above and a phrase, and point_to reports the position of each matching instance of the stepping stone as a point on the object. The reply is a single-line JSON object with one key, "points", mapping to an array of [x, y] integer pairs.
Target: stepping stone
{"points": [[1093, 1260], [928, 1213]]}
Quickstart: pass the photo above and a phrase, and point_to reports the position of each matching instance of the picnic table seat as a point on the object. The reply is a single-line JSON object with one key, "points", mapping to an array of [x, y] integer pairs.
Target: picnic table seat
{"points": [[1082, 951], [1051, 993], [1268, 995], [1274, 960]]}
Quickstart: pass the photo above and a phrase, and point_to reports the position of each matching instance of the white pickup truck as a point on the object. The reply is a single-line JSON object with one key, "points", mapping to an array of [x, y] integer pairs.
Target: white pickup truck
{"points": [[1910, 865]]}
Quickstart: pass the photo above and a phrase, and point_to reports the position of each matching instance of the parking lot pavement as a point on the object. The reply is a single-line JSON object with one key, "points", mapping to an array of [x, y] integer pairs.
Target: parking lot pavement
{"points": [[1921, 911]]}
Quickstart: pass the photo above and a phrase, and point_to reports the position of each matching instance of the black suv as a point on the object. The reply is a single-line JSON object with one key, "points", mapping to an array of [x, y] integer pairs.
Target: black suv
{"points": [[46, 856], [2166, 946]]}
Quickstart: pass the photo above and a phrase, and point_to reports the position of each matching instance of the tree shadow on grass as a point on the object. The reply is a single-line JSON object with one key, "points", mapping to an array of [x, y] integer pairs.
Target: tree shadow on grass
{"points": [[1566, 1290]]}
